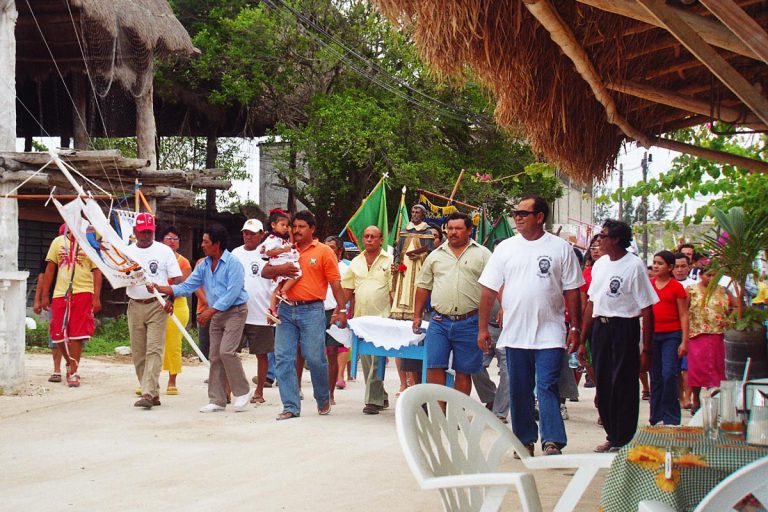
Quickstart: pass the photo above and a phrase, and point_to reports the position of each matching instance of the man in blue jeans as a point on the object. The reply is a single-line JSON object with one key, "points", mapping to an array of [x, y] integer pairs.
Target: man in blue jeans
{"points": [[302, 316], [541, 276], [451, 272]]}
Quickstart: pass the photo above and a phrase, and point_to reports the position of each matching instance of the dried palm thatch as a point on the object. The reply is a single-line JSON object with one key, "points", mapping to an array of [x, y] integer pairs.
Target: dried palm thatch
{"points": [[111, 39], [540, 90]]}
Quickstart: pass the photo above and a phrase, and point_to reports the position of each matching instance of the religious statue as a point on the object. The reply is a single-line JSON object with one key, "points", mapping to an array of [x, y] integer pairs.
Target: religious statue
{"points": [[413, 244]]}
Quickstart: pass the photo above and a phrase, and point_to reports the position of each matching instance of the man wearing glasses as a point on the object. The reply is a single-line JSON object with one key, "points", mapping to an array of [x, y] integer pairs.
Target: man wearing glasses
{"points": [[541, 277], [620, 293]]}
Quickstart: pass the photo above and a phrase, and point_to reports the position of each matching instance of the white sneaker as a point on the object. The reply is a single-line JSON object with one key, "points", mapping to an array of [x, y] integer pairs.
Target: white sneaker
{"points": [[240, 403], [212, 408]]}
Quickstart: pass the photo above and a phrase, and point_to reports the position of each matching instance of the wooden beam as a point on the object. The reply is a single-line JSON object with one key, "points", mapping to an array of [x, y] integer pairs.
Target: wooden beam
{"points": [[694, 105], [146, 129], [561, 34], [680, 66], [741, 24], [710, 30], [749, 164], [691, 39]]}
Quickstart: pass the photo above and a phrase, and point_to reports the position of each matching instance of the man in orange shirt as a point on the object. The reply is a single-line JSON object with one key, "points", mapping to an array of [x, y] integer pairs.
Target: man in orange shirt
{"points": [[303, 318]]}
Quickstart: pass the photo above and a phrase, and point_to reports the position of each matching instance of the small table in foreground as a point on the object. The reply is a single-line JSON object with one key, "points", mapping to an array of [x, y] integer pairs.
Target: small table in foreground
{"points": [[699, 464]]}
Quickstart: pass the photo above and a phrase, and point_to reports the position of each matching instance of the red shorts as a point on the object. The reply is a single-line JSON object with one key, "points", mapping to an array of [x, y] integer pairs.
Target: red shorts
{"points": [[80, 324]]}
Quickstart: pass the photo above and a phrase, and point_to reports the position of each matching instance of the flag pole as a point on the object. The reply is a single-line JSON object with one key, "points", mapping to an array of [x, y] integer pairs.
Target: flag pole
{"points": [[400, 211], [157, 295]]}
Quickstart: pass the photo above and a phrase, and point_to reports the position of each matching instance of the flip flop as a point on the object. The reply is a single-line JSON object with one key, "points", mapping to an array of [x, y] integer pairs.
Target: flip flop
{"points": [[73, 380], [172, 390], [286, 415], [257, 399], [137, 391], [55, 377]]}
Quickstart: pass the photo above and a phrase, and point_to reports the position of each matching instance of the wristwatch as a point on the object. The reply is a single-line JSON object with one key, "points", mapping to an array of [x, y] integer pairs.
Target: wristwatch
{"points": [[576, 329]]}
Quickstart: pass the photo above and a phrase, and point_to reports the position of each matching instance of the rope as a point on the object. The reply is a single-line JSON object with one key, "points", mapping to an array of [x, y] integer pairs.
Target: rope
{"points": [[26, 180]]}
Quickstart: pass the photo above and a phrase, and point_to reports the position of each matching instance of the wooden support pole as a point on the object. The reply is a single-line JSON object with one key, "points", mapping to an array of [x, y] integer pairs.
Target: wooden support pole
{"points": [[711, 31], [741, 24], [456, 187], [146, 130], [561, 34], [694, 105], [690, 38], [79, 95], [749, 164]]}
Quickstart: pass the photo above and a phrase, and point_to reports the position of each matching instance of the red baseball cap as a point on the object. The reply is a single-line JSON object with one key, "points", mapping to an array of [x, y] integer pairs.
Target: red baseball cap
{"points": [[144, 222], [63, 229]]}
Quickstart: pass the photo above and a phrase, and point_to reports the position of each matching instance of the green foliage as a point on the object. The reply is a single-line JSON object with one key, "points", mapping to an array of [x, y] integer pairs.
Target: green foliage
{"points": [[37, 337], [724, 186], [110, 333], [734, 246]]}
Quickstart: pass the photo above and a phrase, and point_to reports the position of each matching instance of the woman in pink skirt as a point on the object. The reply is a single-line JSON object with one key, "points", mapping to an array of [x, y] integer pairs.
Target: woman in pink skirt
{"points": [[706, 347]]}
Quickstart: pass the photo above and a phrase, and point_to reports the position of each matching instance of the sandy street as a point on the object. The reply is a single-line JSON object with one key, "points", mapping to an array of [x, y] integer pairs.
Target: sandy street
{"points": [[89, 449]]}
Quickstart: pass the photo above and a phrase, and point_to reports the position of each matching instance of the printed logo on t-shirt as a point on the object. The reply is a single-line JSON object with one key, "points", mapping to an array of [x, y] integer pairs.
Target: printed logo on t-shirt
{"points": [[614, 285], [255, 268], [312, 261], [153, 266], [545, 264]]}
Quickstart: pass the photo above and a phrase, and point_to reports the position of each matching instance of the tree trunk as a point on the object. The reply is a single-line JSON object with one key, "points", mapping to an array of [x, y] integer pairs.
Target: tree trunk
{"points": [[211, 155], [291, 206]]}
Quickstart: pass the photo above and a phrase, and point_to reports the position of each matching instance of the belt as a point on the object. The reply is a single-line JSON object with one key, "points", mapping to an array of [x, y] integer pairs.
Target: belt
{"points": [[456, 318], [147, 301], [300, 302]]}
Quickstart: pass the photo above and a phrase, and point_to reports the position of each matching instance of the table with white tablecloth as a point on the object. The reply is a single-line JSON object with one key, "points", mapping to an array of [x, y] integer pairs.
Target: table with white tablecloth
{"points": [[386, 337]]}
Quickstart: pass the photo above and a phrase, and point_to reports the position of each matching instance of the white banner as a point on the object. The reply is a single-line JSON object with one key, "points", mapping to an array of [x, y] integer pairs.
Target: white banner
{"points": [[100, 242], [126, 220]]}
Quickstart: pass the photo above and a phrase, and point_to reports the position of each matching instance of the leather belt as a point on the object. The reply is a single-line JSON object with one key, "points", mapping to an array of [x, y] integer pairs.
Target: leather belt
{"points": [[300, 302], [147, 301], [456, 318]]}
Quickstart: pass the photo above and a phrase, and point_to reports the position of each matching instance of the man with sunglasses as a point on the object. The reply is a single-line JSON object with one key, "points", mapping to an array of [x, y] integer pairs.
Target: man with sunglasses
{"points": [[541, 277]]}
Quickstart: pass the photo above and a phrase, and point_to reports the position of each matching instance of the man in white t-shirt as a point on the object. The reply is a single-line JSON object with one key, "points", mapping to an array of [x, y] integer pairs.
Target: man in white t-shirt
{"points": [[258, 334], [620, 293], [682, 270], [541, 277], [146, 318]]}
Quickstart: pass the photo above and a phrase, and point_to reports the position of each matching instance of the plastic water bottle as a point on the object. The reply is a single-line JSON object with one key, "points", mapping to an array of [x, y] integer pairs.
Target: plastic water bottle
{"points": [[573, 360]]}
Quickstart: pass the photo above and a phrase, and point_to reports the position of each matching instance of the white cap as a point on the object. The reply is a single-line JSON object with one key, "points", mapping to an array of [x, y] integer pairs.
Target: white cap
{"points": [[253, 225]]}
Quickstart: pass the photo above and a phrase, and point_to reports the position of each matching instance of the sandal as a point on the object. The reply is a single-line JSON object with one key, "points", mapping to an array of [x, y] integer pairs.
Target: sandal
{"points": [[55, 377], [286, 415], [172, 390], [73, 380], [646, 395], [340, 384], [257, 399]]}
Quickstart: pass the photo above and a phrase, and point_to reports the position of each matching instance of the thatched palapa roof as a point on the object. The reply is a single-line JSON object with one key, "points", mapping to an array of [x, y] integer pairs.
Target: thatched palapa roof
{"points": [[118, 38], [582, 77]]}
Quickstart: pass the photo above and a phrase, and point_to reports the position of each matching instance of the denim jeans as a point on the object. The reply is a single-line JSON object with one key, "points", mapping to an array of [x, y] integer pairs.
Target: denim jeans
{"points": [[303, 324], [527, 369], [665, 405]]}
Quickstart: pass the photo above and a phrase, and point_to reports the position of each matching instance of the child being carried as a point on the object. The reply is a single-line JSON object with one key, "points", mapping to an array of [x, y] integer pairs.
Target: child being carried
{"points": [[279, 249]]}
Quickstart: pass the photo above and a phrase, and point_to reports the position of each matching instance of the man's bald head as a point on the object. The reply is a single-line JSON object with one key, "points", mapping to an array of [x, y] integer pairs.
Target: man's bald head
{"points": [[372, 239]]}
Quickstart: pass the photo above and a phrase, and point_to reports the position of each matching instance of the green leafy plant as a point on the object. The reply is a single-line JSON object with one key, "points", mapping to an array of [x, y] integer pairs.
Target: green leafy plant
{"points": [[734, 245]]}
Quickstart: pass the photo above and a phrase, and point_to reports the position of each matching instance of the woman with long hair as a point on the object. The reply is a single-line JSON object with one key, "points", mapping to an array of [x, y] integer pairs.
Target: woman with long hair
{"points": [[670, 340]]}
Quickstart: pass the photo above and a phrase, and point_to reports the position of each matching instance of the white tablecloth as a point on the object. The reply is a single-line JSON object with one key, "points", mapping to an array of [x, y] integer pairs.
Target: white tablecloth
{"points": [[386, 332]]}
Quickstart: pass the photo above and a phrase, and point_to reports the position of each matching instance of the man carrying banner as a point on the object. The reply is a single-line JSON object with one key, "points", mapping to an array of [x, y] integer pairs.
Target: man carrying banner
{"points": [[75, 299], [414, 243], [146, 318], [222, 277]]}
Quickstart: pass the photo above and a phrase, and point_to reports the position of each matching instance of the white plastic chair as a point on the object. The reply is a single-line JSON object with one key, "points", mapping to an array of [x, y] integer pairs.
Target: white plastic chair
{"points": [[444, 452], [751, 479]]}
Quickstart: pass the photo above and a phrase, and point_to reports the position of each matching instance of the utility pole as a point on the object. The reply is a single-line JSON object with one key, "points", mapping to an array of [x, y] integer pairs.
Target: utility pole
{"points": [[644, 202], [621, 191]]}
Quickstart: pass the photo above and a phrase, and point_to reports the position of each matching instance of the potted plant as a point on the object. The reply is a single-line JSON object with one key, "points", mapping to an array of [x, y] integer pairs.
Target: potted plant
{"points": [[734, 245]]}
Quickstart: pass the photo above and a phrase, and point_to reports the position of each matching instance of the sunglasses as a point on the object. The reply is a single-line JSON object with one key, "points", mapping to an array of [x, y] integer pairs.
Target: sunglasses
{"points": [[523, 213]]}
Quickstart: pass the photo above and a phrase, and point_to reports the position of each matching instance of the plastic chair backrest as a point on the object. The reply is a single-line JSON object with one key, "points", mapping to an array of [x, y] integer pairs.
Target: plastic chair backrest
{"points": [[751, 479], [438, 444]]}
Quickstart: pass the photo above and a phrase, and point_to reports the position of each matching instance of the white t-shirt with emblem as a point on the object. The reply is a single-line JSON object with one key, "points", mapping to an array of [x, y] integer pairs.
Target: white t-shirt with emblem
{"points": [[620, 288], [160, 264], [259, 289], [534, 274]]}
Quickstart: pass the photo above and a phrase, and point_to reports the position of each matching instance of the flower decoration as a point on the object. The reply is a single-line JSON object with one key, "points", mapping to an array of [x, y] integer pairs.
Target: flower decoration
{"points": [[668, 484], [646, 456], [401, 268]]}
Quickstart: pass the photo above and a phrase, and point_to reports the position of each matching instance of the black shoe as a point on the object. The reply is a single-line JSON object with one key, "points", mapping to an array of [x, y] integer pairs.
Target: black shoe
{"points": [[268, 383], [528, 447], [371, 409], [156, 401]]}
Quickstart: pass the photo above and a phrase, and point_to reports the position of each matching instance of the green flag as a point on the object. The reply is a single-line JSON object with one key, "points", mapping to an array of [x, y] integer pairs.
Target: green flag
{"points": [[501, 229], [401, 219], [483, 228], [372, 212]]}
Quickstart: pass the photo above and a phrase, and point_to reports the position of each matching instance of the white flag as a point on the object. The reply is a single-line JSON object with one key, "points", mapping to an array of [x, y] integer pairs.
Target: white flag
{"points": [[100, 242]]}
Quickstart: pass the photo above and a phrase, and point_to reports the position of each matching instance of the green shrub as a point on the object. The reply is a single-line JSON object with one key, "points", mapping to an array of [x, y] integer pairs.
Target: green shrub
{"points": [[38, 337]]}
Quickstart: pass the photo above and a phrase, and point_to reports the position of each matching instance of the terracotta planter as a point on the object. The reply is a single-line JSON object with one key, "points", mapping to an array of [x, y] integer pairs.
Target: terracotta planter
{"points": [[742, 344]]}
